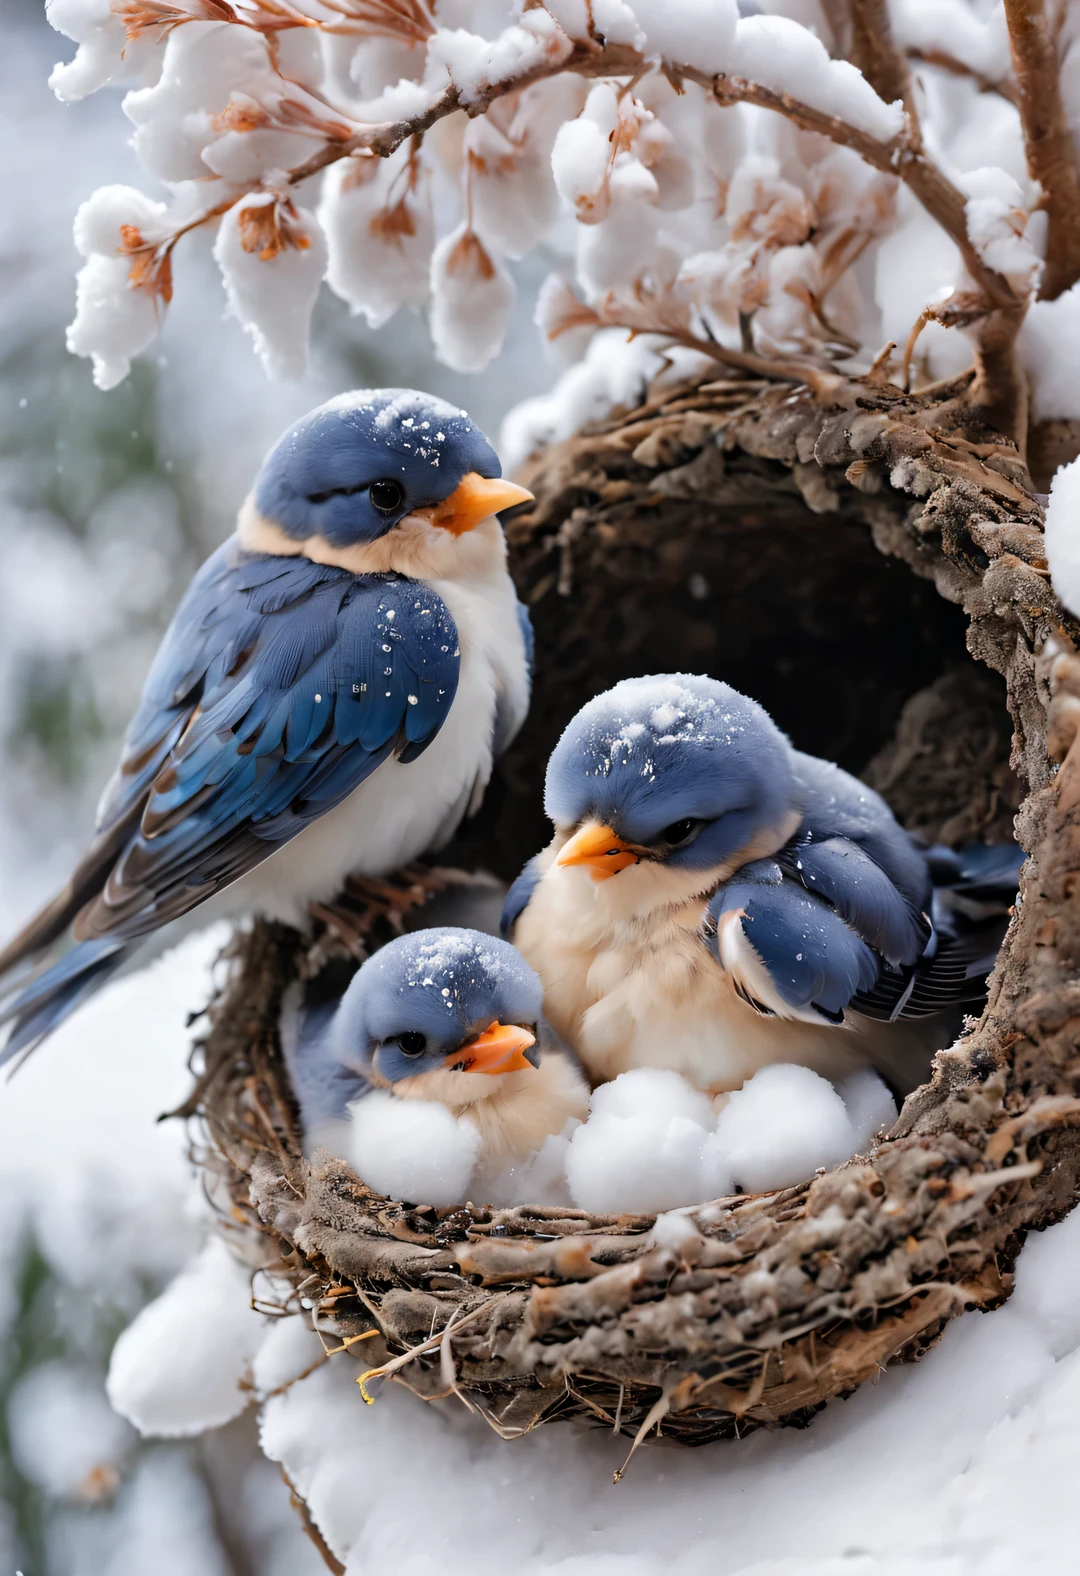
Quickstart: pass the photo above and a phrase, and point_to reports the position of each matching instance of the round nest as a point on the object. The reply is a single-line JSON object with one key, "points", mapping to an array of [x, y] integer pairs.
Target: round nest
{"points": [[831, 557]]}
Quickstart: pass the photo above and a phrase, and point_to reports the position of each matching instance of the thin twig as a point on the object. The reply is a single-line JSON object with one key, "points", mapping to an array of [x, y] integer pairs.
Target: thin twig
{"points": [[1051, 155]]}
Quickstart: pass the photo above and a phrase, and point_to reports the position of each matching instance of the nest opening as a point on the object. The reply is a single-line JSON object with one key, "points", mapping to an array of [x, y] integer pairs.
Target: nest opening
{"points": [[742, 532]]}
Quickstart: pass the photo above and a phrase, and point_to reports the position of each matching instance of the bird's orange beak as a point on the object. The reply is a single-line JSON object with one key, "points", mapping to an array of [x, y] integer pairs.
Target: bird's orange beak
{"points": [[475, 498], [600, 849], [500, 1049]]}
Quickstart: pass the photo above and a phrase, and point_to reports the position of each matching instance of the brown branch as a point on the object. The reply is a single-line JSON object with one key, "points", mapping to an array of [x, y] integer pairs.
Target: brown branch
{"points": [[882, 63], [959, 68], [1051, 157]]}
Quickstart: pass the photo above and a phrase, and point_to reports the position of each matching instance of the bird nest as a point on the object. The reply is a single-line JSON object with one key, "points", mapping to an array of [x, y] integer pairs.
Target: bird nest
{"points": [[831, 556]]}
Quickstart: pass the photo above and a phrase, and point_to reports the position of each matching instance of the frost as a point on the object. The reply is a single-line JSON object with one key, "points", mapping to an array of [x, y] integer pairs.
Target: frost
{"points": [[272, 258]]}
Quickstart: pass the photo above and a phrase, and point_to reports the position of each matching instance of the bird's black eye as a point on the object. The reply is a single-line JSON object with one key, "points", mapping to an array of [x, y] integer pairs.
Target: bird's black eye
{"points": [[412, 1043], [386, 495], [679, 831]]}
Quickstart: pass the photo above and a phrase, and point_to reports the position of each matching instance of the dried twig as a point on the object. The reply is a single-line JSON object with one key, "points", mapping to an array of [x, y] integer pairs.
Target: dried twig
{"points": [[1051, 155]]}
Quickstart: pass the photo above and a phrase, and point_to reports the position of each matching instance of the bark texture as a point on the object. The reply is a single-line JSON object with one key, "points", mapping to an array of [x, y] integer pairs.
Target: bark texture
{"points": [[835, 559]]}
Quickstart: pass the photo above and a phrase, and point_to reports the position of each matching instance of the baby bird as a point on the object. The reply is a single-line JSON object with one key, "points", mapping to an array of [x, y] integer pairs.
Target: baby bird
{"points": [[714, 900], [447, 1016], [327, 701]]}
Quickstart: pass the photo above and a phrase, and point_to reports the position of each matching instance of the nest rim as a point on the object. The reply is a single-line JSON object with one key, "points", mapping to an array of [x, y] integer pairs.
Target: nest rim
{"points": [[760, 1308]]}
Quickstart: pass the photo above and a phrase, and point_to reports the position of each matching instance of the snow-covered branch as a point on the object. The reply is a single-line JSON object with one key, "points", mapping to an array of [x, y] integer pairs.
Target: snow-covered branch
{"points": [[626, 137]]}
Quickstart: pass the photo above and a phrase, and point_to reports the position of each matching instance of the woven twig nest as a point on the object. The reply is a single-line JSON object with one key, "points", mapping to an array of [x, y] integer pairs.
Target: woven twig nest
{"points": [[830, 558]]}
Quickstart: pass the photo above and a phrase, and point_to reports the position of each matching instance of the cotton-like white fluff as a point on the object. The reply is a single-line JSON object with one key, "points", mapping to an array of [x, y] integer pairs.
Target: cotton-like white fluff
{"points": [[640, 1150], [697, 33], [100, 220], [652, 1142], [610, 254], [63, 1433], [870, 1107], [781, 55], [538, 1179], [471, 297], [376, 215], [203, 65], [272, 258], [514, 201], [112, 322], [412, 1149], [1063, 534], [105, 53], [473, 63], [177, 1369], [581, 157], [780, 1126]]}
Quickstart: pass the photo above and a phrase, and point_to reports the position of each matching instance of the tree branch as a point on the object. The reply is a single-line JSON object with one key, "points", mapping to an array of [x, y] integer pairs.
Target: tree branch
{"points": [[874, 51], [908, 162], [1051, 157]]}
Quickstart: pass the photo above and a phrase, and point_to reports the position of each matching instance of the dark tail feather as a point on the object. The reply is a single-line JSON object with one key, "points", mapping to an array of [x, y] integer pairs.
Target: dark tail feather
{"points": [[86, 882], [974, 891], [48, 1000]]}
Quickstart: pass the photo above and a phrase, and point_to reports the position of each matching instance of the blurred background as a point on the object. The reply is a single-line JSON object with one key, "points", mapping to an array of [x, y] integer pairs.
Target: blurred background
{"points": [[108, 503]]}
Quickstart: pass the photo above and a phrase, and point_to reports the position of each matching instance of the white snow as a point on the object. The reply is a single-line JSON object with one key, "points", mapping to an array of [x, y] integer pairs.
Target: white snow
{"points": [[1049, 332], [1063, 534], [113, 322], [780, 54], [700, 33], [472, 63], [414, 1149], [178, 1369]]}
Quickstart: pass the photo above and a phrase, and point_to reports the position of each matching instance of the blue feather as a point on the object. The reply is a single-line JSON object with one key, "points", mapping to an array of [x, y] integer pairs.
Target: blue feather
{"points": [[814, 959]]}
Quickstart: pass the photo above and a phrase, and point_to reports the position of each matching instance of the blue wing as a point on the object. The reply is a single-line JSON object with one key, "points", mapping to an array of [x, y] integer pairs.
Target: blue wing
{"points": [[517, 899], [813, 962], [279, 687]]}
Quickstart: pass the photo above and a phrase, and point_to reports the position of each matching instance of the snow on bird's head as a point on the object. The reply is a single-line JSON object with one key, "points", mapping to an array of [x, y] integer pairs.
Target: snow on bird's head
{"points": [[654, 750], [444, 983], [355, 467]]}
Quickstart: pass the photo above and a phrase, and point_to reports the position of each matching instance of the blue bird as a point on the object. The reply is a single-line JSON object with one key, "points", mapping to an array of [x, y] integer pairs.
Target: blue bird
{"points": [[445, 1015], [714, 900], [328, 699]]}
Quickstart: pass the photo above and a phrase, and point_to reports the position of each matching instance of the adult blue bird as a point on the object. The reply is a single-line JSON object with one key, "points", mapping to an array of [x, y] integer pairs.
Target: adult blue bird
{"points": [[714, 900], [446, 1015], [328, 699]]}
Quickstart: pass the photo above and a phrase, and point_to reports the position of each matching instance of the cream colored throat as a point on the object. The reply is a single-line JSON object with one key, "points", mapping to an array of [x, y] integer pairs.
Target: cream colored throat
{"points": [[414, 547]]}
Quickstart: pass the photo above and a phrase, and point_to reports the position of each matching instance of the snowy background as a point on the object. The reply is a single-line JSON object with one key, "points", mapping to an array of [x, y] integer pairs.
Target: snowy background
{"points": [[961, 1466]]}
